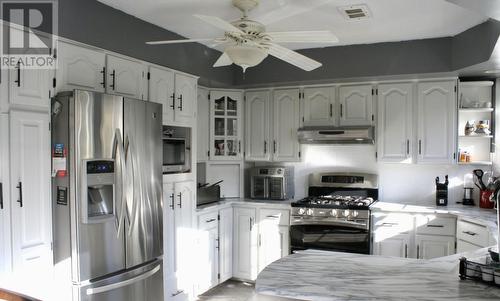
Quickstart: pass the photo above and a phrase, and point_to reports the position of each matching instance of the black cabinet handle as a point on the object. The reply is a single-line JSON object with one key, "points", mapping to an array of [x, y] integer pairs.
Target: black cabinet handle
{"points": [[418, 251], [331, 110], [172, 201], [113, 75], [274, 142], [265, 147], [103, 71], [406, 251], [435, 226], [239, 146], [408, 146], [173, 101], [341, 110], [180, 102], [419, 147], [18, 81], [1, 195], [218, 244], [180, 200], [210, 220], [20, 187]]}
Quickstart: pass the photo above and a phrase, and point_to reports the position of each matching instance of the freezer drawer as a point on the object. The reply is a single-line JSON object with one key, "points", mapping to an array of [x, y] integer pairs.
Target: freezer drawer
{"points": [[144, 283]]}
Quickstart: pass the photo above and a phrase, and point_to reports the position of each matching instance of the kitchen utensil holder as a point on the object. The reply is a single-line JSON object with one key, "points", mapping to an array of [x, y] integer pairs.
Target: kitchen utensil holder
{"points": [[473, 271]]}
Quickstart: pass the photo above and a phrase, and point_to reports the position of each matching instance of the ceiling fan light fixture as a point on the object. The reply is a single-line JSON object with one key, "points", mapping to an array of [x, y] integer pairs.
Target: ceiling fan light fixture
{"points": [[246, 56]]}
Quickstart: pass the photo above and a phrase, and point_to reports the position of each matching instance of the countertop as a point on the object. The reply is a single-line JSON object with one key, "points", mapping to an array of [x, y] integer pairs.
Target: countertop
{"points": [[321, 275], [242, 201]]}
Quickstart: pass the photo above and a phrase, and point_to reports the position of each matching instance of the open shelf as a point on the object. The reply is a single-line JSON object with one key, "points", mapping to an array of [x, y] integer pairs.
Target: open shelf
{"points": [[475, 110]]}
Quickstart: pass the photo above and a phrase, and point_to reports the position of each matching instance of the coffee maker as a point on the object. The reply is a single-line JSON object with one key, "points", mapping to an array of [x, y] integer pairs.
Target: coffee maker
{"points": [[442, 192]]}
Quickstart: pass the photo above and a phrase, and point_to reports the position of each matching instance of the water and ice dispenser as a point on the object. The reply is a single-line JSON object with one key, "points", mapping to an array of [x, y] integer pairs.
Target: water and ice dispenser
{"points": [[98, 194]]}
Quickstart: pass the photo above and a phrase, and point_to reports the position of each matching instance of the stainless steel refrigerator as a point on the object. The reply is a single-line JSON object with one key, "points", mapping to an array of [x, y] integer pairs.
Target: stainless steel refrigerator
{"points": [[107, 197]]}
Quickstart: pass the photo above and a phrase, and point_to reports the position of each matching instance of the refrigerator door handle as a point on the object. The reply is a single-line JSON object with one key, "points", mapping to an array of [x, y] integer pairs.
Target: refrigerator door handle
{"points": [[118, 147], [109, 287], [130, 186], [138, 189]]}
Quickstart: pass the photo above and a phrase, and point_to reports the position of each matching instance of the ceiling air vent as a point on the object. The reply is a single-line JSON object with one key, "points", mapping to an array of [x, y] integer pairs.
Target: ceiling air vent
{"points": [[355, 12]]}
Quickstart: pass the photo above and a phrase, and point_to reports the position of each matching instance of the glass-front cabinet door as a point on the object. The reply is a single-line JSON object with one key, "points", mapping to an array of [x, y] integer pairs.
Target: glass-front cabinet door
{"points": [[225, 125]]}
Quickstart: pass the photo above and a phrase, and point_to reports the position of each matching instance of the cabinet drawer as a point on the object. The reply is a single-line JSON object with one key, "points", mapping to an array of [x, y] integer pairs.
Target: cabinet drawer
{"points": [[435, 225], [472, 233], [393, 223], [281, 217], [208, 220]]}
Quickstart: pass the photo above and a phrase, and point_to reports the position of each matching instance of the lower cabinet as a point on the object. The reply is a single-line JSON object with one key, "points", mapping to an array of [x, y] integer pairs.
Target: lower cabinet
{"points": [[395, 246], [274, 237], [245, 243], [472, 236], [178, 204], [433, 246]]}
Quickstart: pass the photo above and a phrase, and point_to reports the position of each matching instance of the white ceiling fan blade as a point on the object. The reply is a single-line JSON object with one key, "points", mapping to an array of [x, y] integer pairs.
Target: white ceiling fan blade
{"points": [[219, 23], [292, 57], [178, 41], [288, 10], [320, 36], [224, 60]]}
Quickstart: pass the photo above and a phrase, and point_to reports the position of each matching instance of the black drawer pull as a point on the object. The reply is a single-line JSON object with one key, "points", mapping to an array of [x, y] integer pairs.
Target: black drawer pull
{"points": [[210, 220], [469, 233], [435, 226], [20, 187], [1, 195]]}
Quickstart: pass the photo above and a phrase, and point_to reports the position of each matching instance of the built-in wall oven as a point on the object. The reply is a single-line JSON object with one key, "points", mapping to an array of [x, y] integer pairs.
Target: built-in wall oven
{"points": [[176, 149]]}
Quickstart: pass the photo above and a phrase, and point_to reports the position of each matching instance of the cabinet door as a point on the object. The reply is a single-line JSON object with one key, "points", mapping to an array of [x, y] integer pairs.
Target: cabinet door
{"points": [[286, 118], [272, 239], [30, 187], [245, 244], [186, 90], [433, 246], [226, 244], [5, 234], [30, 88], [436, 122], [356, 105], [257, 126], [203, 124], [161, 90], [125, 77], [226, 125], [463, 246], [396, 246], [395, 122], [80, 68], [208, 252], [319, 106], [184, 238]]}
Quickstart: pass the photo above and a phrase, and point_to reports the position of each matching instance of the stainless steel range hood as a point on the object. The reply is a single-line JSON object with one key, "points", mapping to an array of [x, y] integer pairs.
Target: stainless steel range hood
{"points": [[336, 135]]}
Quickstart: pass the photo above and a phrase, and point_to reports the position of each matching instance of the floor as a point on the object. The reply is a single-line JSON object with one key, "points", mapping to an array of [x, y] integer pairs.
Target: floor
{"points": [[232, 290]]}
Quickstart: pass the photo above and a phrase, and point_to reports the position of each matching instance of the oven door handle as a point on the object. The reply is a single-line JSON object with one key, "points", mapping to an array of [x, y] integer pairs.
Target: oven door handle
{"points": [[325, 222]]}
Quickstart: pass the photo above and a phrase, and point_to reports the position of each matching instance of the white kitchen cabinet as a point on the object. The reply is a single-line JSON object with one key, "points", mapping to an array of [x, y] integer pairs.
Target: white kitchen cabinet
{"points": [[356, 105], [319, 106], [396, 245], [226, 130], [161, 90], [80, 68], [30, 88], [436, 128], [225, 244], [5, 234], [30, 194], [126, 77], [433, 246], [4, 89], [257, 126], [208, 252], [178, 207], [245, 243], [203, 126], [273, 237], [186, 90], [473, 233], [395, 123], [286, 119], [464, 246]]}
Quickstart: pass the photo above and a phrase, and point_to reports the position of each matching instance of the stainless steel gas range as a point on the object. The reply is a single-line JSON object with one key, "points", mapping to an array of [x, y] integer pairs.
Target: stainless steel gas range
{"points": [[336, 214]]}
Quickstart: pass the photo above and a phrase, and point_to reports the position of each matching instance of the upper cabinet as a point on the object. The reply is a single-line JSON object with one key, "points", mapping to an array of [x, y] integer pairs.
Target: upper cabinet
{"points": [[185, 98], [126, 77], [395, 122], [203, 123], [80, 68], [356, 105], [319, 106], [286, 121], [226, 125], [161, 90], [436, 122], [30, 88], [257, 126]]}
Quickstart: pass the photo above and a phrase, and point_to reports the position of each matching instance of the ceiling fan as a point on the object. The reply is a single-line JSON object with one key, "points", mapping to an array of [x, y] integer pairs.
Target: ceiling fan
{"points": [[246, 42]]}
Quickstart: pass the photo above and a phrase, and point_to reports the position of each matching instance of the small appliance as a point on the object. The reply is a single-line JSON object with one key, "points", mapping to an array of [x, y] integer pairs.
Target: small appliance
{"points": [[207, 194], [468, 200], [176, 149], [442, 192], [274, 183]]}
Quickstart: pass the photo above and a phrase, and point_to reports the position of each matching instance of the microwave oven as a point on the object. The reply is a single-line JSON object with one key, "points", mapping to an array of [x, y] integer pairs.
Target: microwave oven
{"points": [[176, 149], [273, 183]]}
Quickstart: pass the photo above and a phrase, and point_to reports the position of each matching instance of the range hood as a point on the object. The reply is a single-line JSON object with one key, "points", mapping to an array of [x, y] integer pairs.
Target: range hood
{"points": [[336, 135]]}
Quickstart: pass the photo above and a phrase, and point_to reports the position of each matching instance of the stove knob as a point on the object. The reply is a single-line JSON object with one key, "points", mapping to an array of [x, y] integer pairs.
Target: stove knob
{"points": [[334, 212], [355, 213], [309, 211], [346, 213], [301, 211]]}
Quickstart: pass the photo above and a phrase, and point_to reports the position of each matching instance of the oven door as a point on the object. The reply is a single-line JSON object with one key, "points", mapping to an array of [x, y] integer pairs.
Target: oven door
{"points": [[341, 238], [175, 155]]}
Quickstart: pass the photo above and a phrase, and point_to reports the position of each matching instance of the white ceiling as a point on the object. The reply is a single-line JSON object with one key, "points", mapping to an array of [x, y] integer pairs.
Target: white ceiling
{"points": [[392, 20]]}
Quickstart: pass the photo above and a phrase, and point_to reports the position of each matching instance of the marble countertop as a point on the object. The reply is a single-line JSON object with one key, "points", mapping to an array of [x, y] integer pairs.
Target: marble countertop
{"points": [[321, 276], [242, 201]]}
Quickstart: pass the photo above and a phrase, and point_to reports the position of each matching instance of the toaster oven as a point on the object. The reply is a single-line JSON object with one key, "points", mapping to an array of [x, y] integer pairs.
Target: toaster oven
{"points": [[273, 183]]}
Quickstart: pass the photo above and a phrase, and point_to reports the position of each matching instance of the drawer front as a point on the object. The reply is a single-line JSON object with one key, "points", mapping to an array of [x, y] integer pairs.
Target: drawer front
{"points": [[280, 217], [472, 233], [208, 220], [435, 225], [393, 223]]}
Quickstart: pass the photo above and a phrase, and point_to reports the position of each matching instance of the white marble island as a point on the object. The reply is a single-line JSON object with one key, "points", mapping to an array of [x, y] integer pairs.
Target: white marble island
{"points": [[320, 275]]}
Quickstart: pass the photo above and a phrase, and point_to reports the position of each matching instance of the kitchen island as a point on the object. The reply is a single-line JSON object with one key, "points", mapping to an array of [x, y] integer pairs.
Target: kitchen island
{"points": [[322, 275]]}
